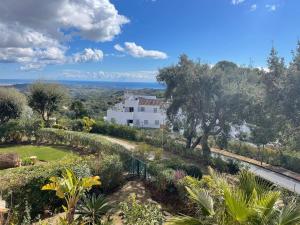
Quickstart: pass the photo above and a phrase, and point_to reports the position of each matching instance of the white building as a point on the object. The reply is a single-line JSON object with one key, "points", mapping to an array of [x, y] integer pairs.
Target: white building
{"points": [[138, 111]]}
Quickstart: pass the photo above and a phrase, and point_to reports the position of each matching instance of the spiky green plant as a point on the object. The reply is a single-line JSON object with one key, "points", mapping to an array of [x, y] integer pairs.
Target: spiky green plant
{"points": [[92, 209], [252, 202]]}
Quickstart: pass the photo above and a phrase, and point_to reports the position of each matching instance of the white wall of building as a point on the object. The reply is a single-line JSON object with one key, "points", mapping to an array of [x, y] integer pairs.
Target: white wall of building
{"points": [[148, 116]]}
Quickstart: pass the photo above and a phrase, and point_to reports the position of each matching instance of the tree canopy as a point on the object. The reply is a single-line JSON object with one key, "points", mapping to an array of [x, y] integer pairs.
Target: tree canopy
{"points": [[46, 98], [203, 100], [12, 104]]}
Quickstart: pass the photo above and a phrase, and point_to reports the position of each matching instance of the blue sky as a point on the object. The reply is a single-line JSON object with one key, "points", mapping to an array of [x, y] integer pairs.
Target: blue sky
{"points": [[129, 40]]}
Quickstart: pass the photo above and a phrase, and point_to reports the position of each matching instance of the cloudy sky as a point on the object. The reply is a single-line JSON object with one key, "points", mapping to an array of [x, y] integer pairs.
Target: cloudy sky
{"points": [[129, 40]]}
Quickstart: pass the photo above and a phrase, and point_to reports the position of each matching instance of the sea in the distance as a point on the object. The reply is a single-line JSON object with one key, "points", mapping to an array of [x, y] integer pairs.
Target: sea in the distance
{"points": [[100, 84]]}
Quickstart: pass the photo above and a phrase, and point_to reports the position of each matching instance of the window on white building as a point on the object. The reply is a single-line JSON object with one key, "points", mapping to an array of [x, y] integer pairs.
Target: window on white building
{"points": [[156, 122], [155, 110], [145, 122], [142, 109], [137, 122]]}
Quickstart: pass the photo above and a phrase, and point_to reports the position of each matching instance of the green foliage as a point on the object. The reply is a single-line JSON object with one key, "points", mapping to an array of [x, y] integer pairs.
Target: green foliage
{"points": [[115, 130], [27, 217], [87, 124], [26, 182], [71, 188], [145, 151], [252, 202], [111, 172], [204, 101], [141, 214], [92, 208], [12, 104], [287, 159], [167, 173], [21, 130], [83, 141], [78, 109], [46, 98]]}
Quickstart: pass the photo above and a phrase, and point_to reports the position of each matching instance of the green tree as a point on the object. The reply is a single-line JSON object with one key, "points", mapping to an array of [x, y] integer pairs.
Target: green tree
{"points": [[46, 98], [290, 105], [71, 188], [78, 109], [203, 101], [12, 104], [263, 127]]}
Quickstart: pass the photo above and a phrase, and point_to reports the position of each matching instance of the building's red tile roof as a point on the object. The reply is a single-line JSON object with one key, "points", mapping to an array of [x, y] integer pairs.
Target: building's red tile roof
{"points": [[145, 101]]}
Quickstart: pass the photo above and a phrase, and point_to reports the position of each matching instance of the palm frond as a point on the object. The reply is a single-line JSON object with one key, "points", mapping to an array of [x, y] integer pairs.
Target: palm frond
{"points": [[202, 198], [290, 215], [267, 203], [183, 220], [236, 205]]}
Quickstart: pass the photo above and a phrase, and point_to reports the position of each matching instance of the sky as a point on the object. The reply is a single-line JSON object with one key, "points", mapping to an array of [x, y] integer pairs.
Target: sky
{"points": [[130, 40]]}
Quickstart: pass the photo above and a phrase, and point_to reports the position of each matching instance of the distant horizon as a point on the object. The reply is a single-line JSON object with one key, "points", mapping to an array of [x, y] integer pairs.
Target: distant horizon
{"points": [[75, 80], [99, 84]]}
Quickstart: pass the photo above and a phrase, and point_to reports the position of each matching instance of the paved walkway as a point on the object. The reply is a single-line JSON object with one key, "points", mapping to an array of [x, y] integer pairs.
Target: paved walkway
{"points": [[280, 170], [130, 146]]}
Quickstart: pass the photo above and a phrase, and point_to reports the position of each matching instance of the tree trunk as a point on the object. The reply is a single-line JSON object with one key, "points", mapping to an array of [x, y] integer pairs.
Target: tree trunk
{"points": [[205, 148], [188, 142], [197, 142], [70, 215]]}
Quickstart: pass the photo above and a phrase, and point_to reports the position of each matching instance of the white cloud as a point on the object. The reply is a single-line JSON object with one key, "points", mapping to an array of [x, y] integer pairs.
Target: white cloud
{"points": [[37, 32], [88, 55], [271, 7], [237, 2], [253, 7], [139, 52], [146, 76], [119, 48]]}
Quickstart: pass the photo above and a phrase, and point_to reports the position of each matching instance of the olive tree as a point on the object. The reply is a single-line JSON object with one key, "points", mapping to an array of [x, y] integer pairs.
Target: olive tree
{"points": [[12, 104], [203, 100], [46, 98]]}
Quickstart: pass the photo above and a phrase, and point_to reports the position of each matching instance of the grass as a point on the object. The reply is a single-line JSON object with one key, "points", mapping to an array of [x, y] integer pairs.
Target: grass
{"points": [[44, 153]]}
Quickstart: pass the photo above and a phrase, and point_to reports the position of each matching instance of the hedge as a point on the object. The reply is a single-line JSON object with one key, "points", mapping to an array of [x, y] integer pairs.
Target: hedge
{"points": [[84, 142], [24, 184], [115, 130]]}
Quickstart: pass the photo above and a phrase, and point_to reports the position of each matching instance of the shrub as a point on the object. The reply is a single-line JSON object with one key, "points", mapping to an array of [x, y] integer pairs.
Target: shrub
{"points": [[145, 151], [219, 164], [76, 125], [141, 214], [187, 181], [26, 162], [58, 126], [87, 123], [21, 130], [26, 182], [233, 167], [179, 164], [116, 130], [111, 172]]}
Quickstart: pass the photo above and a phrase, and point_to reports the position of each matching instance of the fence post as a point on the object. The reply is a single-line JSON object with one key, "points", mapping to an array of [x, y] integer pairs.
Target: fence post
{"points": [[138, 168], [145, 171]]}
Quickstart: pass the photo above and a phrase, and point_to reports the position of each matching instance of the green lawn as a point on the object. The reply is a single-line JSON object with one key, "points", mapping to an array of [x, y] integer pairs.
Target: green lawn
{"points": [[45, 153]]}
